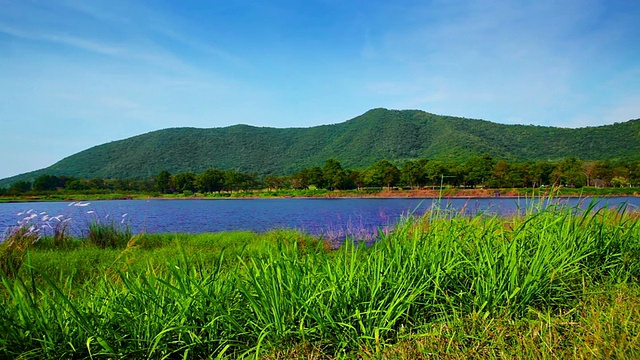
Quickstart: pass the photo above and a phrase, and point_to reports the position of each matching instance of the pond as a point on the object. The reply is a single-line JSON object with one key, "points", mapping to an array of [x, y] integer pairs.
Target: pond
{"points": [[333, 218]]}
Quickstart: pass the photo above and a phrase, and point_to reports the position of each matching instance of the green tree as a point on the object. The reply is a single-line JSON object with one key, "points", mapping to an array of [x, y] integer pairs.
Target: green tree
{"points": [[77, 185], [433, 172], [46, 183], [539, 173], [163, 182], [119, 184], [185, 181], [603, 170], [334, 175], [478, 170], [622, 170], [501, 174], [568, 172], [519, 174], [276, 182], [619, 182], [300, 180], [210, 180], [235, 180], [19, 187], [358, 178], [97, 183], [634, 172], [384, 173], [412, 173], [315, 177]]}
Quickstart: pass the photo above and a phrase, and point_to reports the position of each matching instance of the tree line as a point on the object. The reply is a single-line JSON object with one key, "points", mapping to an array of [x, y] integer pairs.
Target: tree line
{"points": [[477, 171]]}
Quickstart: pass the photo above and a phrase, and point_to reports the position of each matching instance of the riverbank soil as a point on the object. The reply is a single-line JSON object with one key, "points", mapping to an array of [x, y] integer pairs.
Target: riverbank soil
{"points": [[448, 193]]}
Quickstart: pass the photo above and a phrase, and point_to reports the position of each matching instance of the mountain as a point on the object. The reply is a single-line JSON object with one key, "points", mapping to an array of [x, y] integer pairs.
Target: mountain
{"points": [[395, 135]]}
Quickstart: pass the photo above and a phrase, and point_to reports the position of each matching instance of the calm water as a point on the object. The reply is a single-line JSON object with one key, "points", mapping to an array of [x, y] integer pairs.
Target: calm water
{"points": [[329, 217]]}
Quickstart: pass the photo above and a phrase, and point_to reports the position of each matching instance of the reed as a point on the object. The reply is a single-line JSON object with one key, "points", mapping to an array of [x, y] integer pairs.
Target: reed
{"points": [[108, 233], [14, 248]]}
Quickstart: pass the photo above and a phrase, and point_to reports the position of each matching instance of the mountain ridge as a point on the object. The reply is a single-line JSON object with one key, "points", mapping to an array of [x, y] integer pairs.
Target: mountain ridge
{"points": [[395, 135]]}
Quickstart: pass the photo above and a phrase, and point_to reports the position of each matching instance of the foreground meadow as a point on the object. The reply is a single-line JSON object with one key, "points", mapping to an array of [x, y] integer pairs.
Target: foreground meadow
{"points": [[554, 283]]}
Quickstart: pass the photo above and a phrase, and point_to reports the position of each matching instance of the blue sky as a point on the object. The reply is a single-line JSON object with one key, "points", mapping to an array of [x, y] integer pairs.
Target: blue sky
{"points": [[75, 73]]}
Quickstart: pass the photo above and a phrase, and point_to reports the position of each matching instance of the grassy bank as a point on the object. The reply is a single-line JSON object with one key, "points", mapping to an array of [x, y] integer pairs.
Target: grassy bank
{"points": [[557, 282], [323, 193]]}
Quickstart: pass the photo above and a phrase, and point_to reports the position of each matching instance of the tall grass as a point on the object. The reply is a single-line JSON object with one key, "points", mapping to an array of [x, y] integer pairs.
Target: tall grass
{"points": [[108, 234], [14, 248], [283, 293]]}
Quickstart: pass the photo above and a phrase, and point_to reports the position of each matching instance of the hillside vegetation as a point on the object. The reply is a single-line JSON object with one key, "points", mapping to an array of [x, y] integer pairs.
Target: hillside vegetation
{"points": [[395, 135]]}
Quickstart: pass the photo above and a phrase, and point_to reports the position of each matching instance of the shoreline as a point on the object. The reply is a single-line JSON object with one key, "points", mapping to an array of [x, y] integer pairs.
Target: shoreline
{"points": [[338, 194]]}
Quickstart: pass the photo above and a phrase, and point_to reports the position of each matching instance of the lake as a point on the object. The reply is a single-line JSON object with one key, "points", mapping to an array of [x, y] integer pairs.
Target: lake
{"points": [[333, 218]]}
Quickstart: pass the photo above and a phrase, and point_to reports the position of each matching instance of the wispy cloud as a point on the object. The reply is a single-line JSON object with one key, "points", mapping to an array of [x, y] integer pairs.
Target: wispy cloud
{"points": [[84, 44], [119, 68]]}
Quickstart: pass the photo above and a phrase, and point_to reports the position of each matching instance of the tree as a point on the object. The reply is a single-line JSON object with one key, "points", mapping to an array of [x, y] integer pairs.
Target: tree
{"points": [[478, 170], [603, 170], [634, 172], [163, 182], [19, 187], [96, 183], [46, 183], [210, 180], [539, 173], [232, 180], [315, 177], [383, 173], [433, 172], [501, 174], [518, 174], [357, 178], [184, 182], [334, 175], [619, 182], [300, 180], [77, 185], [569, 172], [276, 182], [588, 170], [412, 173], [119, 184], [622, 171]]}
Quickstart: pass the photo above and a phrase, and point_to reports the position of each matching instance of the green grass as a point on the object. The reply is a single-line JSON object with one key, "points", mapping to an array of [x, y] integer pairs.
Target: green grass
{"points": [[306, 193], [556, 282], [583, 191]]}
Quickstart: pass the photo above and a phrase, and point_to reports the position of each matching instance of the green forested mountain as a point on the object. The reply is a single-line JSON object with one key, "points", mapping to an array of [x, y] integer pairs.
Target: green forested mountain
{"points": [[396, 135]]}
